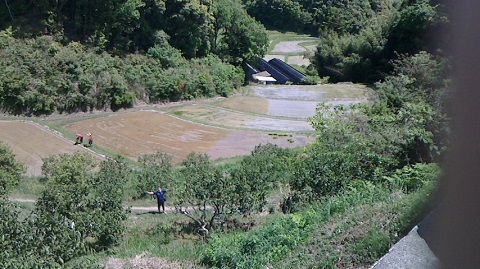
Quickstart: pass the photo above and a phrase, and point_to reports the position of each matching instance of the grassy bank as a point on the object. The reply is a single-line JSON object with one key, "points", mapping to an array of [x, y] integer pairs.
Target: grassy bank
{"points": [[352, 229]]}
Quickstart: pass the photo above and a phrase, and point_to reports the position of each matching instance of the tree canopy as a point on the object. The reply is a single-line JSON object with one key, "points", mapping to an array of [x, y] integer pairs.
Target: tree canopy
{"points": [[197, 28]]}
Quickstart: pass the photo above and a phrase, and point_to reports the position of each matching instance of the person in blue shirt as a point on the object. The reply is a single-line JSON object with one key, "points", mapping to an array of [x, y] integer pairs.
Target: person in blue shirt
{"points": [[160, 198]]}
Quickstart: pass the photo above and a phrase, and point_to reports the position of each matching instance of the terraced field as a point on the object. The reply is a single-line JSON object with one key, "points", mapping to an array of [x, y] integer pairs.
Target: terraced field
{"points": [[222, 128]]}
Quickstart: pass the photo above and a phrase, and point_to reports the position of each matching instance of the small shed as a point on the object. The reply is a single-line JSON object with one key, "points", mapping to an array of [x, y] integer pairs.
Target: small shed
{"points": [[263, 77]]}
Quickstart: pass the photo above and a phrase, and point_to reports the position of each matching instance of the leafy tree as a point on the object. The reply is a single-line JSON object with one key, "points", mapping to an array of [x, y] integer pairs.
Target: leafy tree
{"points": [[318, 17], [79, 211], [189, 24], [237, 36], [410, 33], [18, 244], [361, 142], [156, 169], [353, 57], [106, 203], [201, 191], [366, 55], [168, 55], [418, 91], [283, 15], [209, 194], [10, 169]]}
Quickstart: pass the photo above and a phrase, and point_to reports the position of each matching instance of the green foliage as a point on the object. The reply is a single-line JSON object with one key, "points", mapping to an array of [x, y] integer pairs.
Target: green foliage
{"points": [[238, 38], [156, 170], [282, 15], [310, 80], [353, 57], [361, 142], [193, 27], [163, 233], [364, 55], [410, 32], [415, 207], [166, 54], [417, 93], [255, 174], [372, 246], [10, 169], [411, 178], [255, 249], [41, 76], [317, 17], [189, 23], [414, 78], [273, 241], [79, 211], [202, 187], [209, 194]]}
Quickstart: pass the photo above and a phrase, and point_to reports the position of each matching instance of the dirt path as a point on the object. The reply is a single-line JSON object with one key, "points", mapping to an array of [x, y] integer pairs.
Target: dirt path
{"points": [[133, 208], [289, 47], [284, 51]]}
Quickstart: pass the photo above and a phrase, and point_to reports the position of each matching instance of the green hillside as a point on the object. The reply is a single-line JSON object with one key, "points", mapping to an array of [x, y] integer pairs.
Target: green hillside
{"points": [[338, 202]]}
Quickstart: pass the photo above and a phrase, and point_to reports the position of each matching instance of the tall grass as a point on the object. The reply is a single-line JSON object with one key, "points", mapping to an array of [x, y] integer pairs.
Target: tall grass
{"points": [[357, 230], [158, 235], [273, 241]]}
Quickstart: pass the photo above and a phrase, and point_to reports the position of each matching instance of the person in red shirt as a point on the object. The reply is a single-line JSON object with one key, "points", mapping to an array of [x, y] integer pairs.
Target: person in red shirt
{"points": [[79, 139]]}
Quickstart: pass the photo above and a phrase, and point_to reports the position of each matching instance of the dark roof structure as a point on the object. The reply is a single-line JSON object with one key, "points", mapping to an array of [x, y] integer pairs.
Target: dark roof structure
{"points": [[281, 71]]}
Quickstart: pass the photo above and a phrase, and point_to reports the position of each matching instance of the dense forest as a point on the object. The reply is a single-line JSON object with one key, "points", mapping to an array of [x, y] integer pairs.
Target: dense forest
{"points": [[67, 56], [80, 55]]}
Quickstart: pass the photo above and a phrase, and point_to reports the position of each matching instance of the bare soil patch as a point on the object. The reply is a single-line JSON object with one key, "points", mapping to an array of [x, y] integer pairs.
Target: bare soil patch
{"points": [[31, 143], [272, 107], [292, 109], [239, 143], [134, 134], [221, 128]]}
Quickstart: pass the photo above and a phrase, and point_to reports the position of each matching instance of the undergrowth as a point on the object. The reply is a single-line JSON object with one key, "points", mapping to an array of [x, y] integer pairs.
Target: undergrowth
{"points": [[354, 228]]}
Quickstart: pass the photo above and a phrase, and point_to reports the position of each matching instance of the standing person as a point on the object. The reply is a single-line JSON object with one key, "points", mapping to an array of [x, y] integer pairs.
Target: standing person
{"points": [[79, 139], [90, 139], [160, 198]]}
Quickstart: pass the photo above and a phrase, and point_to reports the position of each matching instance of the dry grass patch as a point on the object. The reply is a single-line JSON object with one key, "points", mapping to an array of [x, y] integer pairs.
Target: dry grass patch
{"points": [[142, 261]]}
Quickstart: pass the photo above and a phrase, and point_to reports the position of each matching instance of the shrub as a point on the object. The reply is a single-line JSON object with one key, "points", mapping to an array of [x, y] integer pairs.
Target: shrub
{"points": [[256, 248], [372, 246], [163, 233], [411, 178], [10, 169], [156, 169], [79, 211]]}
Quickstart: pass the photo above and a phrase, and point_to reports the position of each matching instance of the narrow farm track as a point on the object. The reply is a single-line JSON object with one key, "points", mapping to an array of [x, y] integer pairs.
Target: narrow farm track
{"points": [[133, 208]]}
